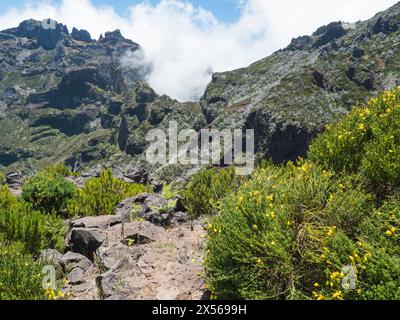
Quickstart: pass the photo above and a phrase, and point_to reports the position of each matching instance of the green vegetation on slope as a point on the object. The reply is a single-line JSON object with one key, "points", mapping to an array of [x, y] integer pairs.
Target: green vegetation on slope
{"points": [[291, 230], [33, 222], [102, 194]]}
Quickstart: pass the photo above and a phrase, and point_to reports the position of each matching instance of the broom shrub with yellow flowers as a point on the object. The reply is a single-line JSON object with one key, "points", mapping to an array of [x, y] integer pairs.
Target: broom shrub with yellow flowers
{"points": [[298, 231], [365, 141], [20, 274], [270, 240]]}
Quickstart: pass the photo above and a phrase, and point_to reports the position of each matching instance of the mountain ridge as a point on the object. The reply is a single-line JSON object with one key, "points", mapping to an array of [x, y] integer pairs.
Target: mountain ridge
{"points": [[74, 102]]}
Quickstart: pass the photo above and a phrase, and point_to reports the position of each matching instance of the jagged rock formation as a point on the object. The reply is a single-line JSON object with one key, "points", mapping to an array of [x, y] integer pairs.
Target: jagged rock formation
{"points": [[66, 97]]}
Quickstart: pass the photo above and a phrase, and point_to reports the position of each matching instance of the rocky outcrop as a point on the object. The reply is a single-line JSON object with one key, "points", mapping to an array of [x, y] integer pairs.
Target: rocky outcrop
{"points": [[153, 208], [85, 241], [81, 35], [326, 34], [167, 268], [47, 37], [123, 256]]}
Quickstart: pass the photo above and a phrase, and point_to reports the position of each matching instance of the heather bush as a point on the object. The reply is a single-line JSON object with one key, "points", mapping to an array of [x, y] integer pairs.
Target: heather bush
{"points": [[207, 188], [49, 191], [101, 195], [21, 223]]}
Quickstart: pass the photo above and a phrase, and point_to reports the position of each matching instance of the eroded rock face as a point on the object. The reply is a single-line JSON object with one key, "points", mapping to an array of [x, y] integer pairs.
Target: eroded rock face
{"points": [[61, 87]]}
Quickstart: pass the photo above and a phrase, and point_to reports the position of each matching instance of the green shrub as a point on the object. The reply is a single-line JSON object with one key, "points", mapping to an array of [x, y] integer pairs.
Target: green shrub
{"points": [[367, 141], [168, 192], [283, 232], [379, 272], [49, 190], [207, 188], [58, 169], [7, 199], [20, 274], [21, 223], [102, 194], [55, 230], [2, 178], [292, 231]]}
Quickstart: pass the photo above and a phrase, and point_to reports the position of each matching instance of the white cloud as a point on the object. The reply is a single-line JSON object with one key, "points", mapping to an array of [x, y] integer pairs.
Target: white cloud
{"points": [[185, 43]]}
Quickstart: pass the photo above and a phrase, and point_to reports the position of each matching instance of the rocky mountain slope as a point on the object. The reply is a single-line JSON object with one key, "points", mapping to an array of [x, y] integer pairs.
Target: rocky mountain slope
{"points": [[291, 95], [65, 97]]}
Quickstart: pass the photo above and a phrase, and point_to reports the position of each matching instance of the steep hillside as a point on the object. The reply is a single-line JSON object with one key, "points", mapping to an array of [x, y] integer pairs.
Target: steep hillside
{"points": [[291, 95], [65, 97]]}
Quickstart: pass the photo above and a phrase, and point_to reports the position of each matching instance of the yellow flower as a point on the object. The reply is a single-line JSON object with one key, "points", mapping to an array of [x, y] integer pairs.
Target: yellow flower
{"points": [[335, 275], [272, 215], [337, 295], [389, 233], [316, 285], [331, 231], [270, 197]]}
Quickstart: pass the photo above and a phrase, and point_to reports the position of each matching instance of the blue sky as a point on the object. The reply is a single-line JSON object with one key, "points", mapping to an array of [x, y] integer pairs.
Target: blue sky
{"points": [[224, 10]]}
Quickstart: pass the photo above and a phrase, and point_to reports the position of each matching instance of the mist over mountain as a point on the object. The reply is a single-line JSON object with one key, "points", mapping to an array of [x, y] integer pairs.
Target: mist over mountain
{"points": [[70, 98], [186, 43]]}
